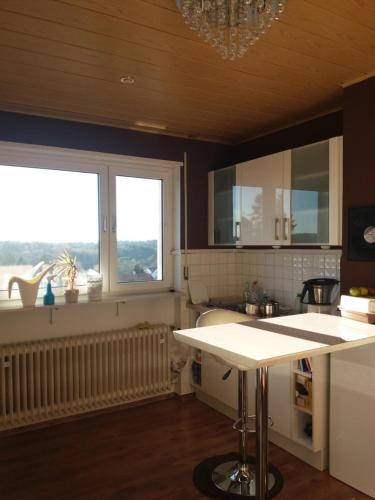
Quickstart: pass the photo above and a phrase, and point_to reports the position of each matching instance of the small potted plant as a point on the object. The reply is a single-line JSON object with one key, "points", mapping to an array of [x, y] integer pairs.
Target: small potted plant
{"points": [[67, 269]]}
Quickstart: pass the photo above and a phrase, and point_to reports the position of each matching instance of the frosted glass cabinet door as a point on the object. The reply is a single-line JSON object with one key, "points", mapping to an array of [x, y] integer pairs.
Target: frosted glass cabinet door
{"points": [[315, 173], [222, 227], [260, 191]]}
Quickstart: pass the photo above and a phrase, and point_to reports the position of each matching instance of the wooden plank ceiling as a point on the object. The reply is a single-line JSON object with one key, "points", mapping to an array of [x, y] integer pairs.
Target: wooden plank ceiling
{"points": [[65, 58]]}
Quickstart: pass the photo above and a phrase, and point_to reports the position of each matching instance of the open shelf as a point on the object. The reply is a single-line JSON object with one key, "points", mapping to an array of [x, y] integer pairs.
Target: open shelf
{"points": [[304, 410], [304, 374], [307, 442], [311, 415]]}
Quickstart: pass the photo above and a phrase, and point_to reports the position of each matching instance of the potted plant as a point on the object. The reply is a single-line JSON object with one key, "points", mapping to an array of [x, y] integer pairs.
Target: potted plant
{"points": [[67, 269]]}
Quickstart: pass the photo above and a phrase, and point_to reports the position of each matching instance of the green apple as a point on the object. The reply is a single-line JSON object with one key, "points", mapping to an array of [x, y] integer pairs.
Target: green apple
{"points": [[355, 291]]}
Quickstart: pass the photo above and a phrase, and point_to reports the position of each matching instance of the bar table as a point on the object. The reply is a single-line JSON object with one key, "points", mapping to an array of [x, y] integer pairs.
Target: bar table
{"points": [[264, 343]]}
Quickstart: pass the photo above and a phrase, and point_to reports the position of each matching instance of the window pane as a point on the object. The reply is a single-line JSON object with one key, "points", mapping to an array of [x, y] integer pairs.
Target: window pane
{"points": [[43, 212], [139, 229]]}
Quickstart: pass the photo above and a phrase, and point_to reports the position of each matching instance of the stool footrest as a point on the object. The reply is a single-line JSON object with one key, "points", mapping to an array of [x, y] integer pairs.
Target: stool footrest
{"points": [[238, 424]]}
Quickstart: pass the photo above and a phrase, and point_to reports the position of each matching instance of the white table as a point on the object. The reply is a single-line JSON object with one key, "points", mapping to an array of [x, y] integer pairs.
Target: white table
{"points": [[258, 345]]}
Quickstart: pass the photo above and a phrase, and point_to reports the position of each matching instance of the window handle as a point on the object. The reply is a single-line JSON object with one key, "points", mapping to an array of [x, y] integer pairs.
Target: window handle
{"points": [[104, 224], [114, 224]]}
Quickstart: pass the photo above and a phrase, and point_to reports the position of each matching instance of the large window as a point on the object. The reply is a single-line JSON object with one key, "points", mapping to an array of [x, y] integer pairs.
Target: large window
{"points": [[114, 214], [44, 212]]}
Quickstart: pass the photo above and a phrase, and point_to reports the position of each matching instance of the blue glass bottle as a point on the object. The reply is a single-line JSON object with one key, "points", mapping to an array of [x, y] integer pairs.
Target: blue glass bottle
{"points": [[49, 298]]}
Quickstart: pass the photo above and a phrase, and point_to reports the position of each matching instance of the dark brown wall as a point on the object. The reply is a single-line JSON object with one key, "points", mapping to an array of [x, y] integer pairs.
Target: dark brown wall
{"points": [[202, 156], [359, 172], [315, 130]]}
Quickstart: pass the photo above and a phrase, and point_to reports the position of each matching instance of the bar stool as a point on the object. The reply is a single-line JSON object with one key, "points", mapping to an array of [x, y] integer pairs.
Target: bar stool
{"points": [[237, 475]]}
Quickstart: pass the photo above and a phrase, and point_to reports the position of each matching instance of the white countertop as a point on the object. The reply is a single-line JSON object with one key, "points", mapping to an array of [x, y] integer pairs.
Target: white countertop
{"points": [[250, 347]]}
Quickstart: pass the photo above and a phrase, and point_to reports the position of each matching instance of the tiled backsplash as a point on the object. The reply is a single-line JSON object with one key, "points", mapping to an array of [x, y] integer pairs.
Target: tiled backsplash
{"points": [[279, 272]]}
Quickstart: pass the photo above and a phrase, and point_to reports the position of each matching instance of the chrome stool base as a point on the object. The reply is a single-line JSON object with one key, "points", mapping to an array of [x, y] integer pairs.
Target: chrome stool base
{"points": [[235, 478]]}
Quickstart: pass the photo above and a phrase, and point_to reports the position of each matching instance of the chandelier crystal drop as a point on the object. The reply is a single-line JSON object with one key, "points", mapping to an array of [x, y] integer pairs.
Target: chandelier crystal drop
{"points": [[230, 26]]}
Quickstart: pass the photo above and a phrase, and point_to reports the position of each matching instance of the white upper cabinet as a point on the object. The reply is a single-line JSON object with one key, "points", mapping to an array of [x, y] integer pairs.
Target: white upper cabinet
{"points": [[289, 198], [315, 195], [261, 218]]}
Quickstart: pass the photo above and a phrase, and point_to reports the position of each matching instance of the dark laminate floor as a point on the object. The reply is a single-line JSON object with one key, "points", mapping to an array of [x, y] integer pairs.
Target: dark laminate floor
{"points": [[146, 452]]}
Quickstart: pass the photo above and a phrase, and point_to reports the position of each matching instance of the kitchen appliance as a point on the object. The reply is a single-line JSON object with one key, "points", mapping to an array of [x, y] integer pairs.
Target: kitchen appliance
{"points": [[318, 293]]}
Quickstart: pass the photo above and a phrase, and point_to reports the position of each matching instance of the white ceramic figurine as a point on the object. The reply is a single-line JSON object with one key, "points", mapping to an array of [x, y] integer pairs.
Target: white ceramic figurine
{"points": [[28, 287]]}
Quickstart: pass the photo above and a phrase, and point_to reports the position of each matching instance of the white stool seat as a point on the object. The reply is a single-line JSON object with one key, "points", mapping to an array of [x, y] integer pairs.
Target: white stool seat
{"points": [[221, 317]]}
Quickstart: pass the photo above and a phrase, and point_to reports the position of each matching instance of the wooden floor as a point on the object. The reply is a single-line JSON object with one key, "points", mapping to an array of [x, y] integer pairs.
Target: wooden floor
{"points": [[145, 452]]}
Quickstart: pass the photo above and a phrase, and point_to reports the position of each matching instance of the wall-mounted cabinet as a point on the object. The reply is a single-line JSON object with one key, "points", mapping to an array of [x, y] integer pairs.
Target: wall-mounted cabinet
{"points": [[262, 208], [222, 206], [288, 198]]}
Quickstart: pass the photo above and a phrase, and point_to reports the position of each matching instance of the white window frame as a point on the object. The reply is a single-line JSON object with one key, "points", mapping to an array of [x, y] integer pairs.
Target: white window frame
{"points": [[107, 166], [143, 169]]}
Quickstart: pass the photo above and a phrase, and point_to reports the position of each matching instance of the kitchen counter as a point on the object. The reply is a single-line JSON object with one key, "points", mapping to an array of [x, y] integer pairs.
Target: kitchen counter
{"points": [[271, 342]]}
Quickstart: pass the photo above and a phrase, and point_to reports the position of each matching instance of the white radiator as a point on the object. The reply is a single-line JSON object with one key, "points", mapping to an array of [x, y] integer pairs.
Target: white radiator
{"points": [[46, 379]]}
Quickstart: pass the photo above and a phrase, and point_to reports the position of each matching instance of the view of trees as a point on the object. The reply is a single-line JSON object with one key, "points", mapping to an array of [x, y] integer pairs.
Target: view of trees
{"points": [[137, 260]]}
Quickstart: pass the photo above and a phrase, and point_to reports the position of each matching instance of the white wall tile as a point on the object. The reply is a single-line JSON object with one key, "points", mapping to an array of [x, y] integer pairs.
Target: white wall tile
{"points": [[278, 260], [261, 270], [252, 258], [260, 259], [278, 271], [319, 261], [308, 261], [269, 271], [287, 260], [270, 259], [281, 274]]}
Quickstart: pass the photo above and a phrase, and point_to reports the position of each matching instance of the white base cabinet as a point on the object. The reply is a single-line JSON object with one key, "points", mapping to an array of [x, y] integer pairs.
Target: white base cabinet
{"points": [[289, 421], [352, 418]]}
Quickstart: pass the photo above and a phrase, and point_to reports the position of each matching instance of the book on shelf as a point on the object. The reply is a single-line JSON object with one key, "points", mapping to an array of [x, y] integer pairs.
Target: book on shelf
{"points": [[304, 365], [303, 392]]}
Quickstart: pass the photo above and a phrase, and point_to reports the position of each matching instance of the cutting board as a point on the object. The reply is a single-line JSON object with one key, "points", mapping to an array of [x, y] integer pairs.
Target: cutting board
{"points": [[198, 292]]}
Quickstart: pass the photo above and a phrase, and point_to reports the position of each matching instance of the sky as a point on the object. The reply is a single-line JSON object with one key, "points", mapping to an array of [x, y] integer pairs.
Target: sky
{"points": [[60, 206]]}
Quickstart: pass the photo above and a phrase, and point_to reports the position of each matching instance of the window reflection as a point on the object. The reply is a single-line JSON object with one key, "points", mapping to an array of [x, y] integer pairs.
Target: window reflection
{"points": [[310, 194]]}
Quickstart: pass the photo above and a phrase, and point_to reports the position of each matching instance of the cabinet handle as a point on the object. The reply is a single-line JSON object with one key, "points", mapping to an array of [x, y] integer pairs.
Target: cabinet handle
{"points": [[237, 235], [285, 228], [277, 228]]}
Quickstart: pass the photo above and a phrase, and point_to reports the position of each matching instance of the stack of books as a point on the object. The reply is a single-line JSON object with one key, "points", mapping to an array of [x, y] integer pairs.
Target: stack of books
{"points": [[304, 365]]}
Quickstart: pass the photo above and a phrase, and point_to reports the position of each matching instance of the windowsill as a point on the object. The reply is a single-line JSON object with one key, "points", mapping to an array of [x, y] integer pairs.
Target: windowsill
{"points": [[16, 305]]}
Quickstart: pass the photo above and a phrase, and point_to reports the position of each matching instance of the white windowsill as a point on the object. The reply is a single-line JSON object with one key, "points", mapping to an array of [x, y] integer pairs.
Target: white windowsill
{"points": [[16, 305]]}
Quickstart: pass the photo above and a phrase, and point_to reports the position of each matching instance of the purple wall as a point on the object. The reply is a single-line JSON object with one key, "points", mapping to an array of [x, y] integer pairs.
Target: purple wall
{"points": [[202, 156]]}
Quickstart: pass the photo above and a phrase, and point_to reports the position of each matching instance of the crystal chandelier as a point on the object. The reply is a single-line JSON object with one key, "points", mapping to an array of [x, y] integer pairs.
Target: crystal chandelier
{"points": [[230, 26]]}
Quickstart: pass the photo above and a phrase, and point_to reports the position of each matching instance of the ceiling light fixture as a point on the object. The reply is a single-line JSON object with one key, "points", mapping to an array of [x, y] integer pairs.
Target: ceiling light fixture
{"points": [[127, 79], [158, 126], [230, 26]]}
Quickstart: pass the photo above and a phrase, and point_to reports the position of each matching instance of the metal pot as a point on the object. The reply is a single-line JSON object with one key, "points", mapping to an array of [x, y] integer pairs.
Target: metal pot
{"points": [[253, 309], [270, 309]]}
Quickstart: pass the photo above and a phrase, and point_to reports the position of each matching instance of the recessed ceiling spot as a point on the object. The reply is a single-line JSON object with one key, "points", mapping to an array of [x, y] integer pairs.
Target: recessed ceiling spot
{"points": [[128, 79]]}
